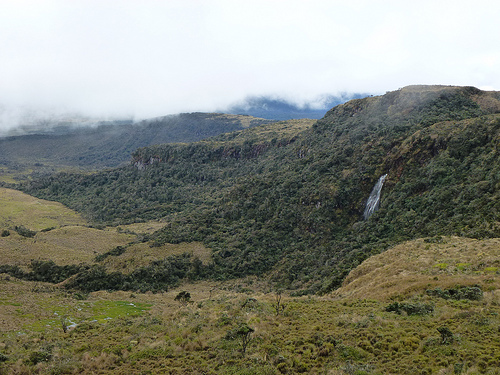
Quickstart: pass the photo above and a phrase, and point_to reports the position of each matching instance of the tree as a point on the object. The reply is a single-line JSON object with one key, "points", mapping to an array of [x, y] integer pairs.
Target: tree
{"points": [[279, 306], [183, 297], [244, 332]]}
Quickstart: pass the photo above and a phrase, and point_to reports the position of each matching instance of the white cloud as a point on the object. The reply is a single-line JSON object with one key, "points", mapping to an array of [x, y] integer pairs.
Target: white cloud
{"points": [[152, 57]]}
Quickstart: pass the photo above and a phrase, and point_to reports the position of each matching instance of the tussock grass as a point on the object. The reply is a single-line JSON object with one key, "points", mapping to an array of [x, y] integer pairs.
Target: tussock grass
{"points": [[415, 266], [36, 214], [347, 332], [134, 333]]}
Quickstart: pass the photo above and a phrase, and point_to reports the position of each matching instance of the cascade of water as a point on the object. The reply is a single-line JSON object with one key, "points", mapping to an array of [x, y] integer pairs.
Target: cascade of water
{"points": [[374, 198]]}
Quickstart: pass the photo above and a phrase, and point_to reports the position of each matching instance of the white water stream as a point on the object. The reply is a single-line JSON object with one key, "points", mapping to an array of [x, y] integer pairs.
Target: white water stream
{"points": [[374, 199]]}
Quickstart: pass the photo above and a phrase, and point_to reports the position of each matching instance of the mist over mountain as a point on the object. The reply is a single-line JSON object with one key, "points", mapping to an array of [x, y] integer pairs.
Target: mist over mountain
{"points": [[45, 146], [285, 200], [276, 108]]}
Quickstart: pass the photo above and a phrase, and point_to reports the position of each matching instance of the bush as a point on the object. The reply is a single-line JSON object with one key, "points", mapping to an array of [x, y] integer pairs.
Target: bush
{"points": [[5, 233], [119, 250], [183, 297], [25, 232], [446, 335], [416, 308], [39, 356], [473, 293], [48, 229]]}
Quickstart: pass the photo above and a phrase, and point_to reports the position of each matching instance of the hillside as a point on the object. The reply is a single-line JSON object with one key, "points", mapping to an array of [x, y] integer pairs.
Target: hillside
{"points": [[383, 320], [413, 267], [46, 237], [107, 144], [447, 326], [290, 206], [195, 257]]}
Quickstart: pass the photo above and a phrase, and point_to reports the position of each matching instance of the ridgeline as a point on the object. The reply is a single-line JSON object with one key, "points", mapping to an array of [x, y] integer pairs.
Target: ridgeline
{"points": [[285, 200]]}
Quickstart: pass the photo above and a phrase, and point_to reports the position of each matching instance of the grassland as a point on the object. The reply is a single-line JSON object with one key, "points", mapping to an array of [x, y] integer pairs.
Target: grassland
{"points": [[347, 332], [415, 266], [36, 214], [64, 237], [47, 329]]}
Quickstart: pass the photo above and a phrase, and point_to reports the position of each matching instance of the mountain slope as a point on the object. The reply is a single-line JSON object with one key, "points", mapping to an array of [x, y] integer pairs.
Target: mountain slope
{"points": [[416, 266], [291, 206], [110, 144], [282, 109]]}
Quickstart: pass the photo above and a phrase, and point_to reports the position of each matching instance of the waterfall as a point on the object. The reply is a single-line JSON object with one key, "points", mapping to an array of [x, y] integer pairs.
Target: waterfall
{"points": [[374, 199]]}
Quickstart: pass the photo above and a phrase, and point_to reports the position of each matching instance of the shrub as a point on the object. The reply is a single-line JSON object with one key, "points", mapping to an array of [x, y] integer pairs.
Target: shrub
{"points": [[416, 308], [5, 233], [473, 293], [446, 335], [39, 356], [119, 250], [25, 232], [183, 297]]}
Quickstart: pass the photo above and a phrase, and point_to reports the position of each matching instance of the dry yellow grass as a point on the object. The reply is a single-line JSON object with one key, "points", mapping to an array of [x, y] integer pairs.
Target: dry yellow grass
{"points": [[70, 242], [18, 208], [415, 266], [66, 245], [141, 254]]}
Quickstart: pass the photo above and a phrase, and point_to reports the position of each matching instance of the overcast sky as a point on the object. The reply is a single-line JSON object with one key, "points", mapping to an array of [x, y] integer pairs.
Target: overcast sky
{"points": [[148, 58]]}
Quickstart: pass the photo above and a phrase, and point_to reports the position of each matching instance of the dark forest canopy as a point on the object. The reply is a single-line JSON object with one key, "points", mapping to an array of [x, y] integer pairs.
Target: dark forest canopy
{"points": [[289, 204]]}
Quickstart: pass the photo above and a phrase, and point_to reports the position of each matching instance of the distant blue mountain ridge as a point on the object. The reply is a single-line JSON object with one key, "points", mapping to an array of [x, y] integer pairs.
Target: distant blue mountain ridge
{"points": [[275, 108]]}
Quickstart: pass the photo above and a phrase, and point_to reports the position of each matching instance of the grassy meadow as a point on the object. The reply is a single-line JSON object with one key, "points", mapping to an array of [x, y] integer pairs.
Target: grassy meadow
{"points": [[37, 214], [47, 329], [134, 333], [63, 236]]}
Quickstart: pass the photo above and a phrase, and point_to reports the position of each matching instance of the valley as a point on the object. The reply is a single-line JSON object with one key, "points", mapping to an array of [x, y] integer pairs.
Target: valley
{"points": [[248, 252]]}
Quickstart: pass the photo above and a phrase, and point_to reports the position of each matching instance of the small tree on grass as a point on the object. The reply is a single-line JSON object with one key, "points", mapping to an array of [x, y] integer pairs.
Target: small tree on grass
{"points": [[244, 332], [64, 323], [278, 305], [183, 297]]}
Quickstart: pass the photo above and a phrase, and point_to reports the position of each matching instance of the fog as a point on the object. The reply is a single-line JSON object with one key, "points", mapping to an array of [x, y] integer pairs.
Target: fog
{"points": [[150, 58]]}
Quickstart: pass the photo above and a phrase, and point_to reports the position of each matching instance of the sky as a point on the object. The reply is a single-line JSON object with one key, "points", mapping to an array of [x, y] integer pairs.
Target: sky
{"points": [[147, 58]]}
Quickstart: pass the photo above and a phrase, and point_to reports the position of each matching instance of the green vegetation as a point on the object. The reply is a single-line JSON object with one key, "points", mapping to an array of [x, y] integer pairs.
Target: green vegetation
{"points": [[248, 228], [117, 251], [410, 308], [289, 204], [222, 332], [108, 144]]}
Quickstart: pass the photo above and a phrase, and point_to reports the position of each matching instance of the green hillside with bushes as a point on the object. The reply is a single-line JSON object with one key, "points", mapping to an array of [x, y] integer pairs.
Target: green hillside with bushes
{"points": [[249, 253], [288, 205]]}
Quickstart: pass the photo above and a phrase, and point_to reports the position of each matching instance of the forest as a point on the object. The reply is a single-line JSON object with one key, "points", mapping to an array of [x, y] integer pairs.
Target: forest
{"points": [[289, 206], [248, 252]]}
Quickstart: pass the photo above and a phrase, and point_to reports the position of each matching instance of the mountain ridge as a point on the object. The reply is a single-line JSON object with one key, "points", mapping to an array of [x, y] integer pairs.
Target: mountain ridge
{"points": [[230, 232], [109, 144], [292, 207]]}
